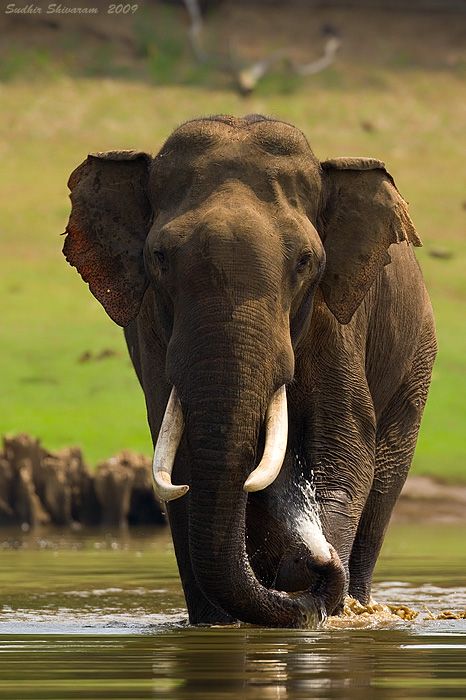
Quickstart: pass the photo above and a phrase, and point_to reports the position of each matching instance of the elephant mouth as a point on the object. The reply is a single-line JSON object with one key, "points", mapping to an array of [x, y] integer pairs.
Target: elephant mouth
{"points": [[171, 432]]}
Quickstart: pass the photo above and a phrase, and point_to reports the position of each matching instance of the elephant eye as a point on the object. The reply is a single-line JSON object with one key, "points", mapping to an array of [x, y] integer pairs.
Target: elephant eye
{"points": [[303, 262], [160, 257]]}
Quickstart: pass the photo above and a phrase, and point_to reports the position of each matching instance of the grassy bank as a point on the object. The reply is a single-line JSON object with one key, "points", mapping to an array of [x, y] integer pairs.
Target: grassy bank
{"points": [[50, 387]]}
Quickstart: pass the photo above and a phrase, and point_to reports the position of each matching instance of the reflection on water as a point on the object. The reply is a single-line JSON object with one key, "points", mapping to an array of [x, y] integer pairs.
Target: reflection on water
{"points": [[196, 663], [101, 617]]}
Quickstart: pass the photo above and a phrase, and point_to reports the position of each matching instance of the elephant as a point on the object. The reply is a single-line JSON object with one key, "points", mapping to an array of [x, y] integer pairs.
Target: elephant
{"points": [[280, 328]]}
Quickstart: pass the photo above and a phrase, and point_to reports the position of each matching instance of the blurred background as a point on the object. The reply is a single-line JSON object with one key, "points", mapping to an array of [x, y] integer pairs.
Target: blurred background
{"points": [[384, 79]]}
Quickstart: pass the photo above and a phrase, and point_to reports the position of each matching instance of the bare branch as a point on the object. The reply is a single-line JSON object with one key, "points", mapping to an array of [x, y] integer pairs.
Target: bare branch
{"points": [[330, 51], [249, 77]]}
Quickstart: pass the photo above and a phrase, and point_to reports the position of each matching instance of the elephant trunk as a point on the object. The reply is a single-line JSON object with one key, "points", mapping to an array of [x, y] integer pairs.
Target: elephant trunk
{"points": [[225, 384], [223, 454]]}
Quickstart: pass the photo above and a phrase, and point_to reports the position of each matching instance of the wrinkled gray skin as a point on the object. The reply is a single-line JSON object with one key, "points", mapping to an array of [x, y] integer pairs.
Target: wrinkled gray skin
{"points": [[237, 262]]}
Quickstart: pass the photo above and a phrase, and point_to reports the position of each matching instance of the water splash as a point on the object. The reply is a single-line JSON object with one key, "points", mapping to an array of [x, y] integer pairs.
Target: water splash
{"points": [[304, 513], [307, 524], [323, 615]]}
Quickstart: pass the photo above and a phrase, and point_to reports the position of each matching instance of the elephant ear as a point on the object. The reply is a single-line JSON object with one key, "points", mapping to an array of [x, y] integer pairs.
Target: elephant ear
{"points": [[107, 228], [364, 214]]}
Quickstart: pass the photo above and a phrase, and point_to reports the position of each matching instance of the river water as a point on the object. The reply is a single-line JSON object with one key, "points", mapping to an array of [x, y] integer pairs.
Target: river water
{"points": [[100, 616]]}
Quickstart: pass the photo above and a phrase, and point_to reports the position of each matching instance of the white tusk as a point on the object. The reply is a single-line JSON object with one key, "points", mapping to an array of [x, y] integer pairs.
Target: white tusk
{"points": [[276, 437], [167, 444]]}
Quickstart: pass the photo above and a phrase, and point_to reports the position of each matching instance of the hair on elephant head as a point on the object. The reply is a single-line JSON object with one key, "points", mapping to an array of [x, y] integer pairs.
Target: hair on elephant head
{"points": [[271, 337]]}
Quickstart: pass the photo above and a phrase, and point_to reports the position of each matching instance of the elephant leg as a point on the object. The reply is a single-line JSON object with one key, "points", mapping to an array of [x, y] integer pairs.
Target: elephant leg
{"points": [[397, 433], [200, 609]]}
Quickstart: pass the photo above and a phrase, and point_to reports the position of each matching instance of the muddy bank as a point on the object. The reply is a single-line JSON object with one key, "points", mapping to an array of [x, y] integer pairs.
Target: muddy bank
{"points": [[38, 487], [425, 499]]}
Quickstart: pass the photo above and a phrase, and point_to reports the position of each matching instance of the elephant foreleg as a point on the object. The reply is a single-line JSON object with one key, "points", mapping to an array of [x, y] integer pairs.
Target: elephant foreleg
{"points": [[397, 433]]}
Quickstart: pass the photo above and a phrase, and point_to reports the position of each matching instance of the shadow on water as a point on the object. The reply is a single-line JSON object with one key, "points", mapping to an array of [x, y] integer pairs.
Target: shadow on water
{"points": [[96, 616]]}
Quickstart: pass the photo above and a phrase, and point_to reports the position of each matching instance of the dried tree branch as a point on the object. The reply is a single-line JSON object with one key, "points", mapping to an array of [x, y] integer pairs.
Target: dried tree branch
{"points": [[248, 77], [330, 51]]}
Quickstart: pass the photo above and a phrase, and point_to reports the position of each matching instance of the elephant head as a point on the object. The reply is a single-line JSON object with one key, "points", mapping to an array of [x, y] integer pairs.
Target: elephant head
{"points": [[218, 248]]}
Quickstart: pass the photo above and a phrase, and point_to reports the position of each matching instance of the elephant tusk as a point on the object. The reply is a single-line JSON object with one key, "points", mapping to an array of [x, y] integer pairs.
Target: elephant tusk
{"points": [[166, 446], [276, 437]]}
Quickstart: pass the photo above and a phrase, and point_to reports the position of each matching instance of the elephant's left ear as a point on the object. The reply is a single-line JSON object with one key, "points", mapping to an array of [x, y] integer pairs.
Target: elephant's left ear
{"points": [[363, 215]]}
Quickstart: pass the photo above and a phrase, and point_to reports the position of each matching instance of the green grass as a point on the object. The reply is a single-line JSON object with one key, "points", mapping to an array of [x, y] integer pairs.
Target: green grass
{"points": [[48, 316]]}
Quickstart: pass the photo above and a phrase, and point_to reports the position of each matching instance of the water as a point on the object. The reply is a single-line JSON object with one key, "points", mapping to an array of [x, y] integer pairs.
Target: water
{"points": [[97, 616]]}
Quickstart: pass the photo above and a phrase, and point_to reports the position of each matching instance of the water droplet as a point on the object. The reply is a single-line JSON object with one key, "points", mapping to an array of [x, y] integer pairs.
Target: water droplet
{"points": [[322, 610]]}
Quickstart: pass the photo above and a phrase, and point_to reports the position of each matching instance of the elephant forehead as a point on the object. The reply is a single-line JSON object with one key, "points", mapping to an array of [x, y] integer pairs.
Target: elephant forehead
{"points": [[187, 173]]}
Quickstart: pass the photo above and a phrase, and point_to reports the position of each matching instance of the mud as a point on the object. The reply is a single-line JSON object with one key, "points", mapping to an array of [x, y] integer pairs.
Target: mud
{"points": [[425, 499], [38, 487], [355, 614]]}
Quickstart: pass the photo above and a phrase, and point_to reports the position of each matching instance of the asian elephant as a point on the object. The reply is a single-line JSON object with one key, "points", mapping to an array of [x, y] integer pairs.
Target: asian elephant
{"points": [[281, 331]]}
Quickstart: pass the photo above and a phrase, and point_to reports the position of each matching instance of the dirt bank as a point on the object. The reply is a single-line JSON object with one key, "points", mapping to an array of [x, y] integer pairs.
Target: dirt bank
{"points": [[39, 487], [425, 499]]}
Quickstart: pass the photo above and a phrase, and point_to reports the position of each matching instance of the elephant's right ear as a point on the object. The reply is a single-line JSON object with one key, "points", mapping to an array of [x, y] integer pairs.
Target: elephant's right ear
{"points": [[108, 225]]}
